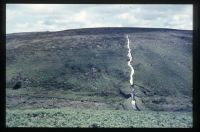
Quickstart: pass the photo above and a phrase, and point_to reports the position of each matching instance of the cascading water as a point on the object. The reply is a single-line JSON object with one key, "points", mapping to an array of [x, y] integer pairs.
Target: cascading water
{"points": [[130, 59], [131, 75]]}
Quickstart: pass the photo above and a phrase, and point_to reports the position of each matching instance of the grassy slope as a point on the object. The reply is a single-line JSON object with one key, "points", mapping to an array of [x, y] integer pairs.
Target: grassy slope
{"points": [[92, 66], [86, 68], [78, 67], [96, 118], [163, 67]]}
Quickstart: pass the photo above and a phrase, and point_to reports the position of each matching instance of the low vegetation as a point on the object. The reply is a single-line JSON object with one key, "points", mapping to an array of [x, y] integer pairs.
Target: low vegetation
{"points": [[66, 117]]}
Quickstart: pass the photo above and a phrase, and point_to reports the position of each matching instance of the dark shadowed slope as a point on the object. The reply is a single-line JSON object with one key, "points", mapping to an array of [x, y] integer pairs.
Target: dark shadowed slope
{"points": [[90, 65]]}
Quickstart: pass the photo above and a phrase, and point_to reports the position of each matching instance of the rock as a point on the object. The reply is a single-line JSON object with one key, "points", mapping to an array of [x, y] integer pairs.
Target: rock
{"points": [[94, 125], [17, 85]]}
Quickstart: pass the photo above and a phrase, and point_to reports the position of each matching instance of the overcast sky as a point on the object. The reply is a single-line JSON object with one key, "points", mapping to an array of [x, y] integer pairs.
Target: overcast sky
{"points": [[56, 17]]}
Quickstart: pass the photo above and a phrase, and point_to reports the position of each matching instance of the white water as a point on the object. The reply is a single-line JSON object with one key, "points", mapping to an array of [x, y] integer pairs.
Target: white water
{"points": [[130, 59], [133, 102]]}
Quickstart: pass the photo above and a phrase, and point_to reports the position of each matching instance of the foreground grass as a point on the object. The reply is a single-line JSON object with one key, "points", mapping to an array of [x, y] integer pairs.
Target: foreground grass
{"points": [[68, 117]]}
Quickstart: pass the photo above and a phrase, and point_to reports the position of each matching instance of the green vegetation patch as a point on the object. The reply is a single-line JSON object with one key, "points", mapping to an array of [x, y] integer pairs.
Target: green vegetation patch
{"points": [[67, 117]]}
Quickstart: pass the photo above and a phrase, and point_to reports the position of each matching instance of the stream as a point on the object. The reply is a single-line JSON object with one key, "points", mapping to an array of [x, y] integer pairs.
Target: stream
{"points": [[133, 102]]}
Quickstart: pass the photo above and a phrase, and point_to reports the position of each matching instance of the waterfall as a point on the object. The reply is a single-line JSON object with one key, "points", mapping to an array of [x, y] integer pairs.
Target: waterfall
{"points": [[130, 59], [133, 101]]}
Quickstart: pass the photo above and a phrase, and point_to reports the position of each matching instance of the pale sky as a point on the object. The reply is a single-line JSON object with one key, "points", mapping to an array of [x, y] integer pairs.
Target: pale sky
{"points": [[56, 17]]}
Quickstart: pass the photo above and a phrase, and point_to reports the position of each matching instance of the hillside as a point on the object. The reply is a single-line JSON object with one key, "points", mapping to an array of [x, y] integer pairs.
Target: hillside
{"points": [[87, 68]]}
